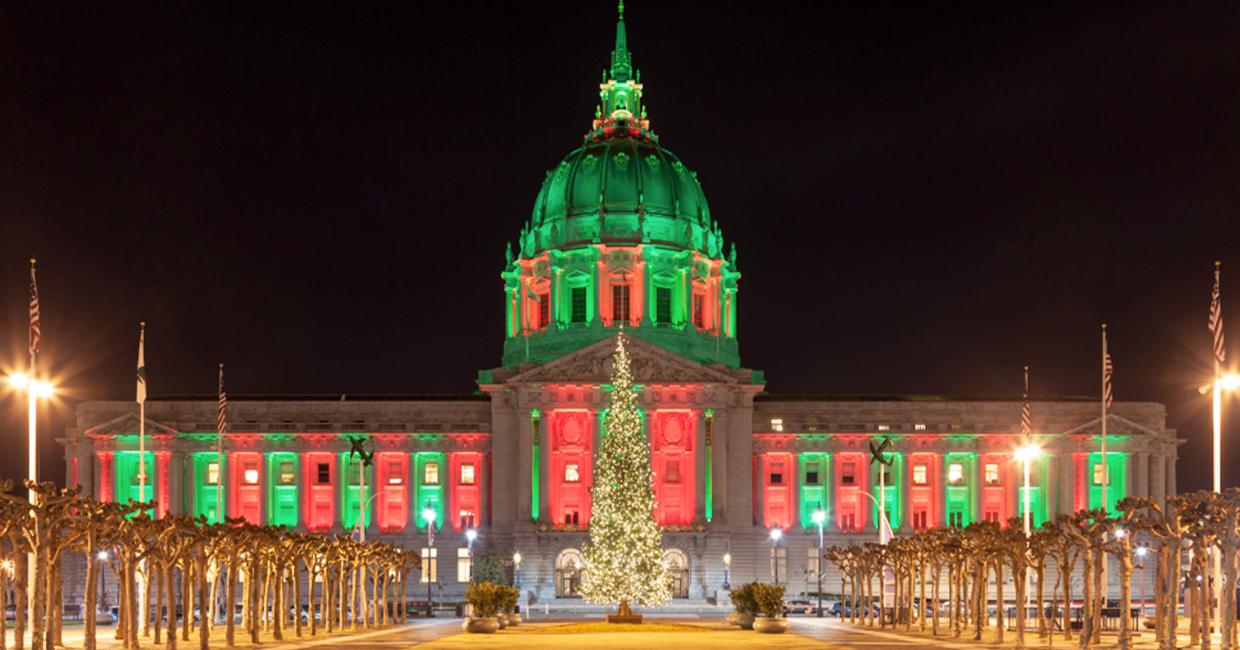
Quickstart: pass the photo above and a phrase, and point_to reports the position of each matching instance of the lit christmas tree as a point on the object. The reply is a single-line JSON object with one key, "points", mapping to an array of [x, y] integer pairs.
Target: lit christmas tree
{"points": [[624, 558]]}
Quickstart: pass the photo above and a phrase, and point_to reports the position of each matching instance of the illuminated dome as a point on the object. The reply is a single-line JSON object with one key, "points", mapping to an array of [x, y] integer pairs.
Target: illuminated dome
{"points": [[620, 233]]}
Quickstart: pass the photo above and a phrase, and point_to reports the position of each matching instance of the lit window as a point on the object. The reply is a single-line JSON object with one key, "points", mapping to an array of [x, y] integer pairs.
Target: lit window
{"points": [[463, 562], [848, 474], [323, 474], [811, 563], [430, 474], [777, 476], [394, 477], [466, 517], [699, 300], [620, 302], [811, 473], [571, 473], [579, 304], [777, 424], [992, 516], [213, 473], [779, 562], [251, 475], [544, 310], [671, 472], [919, 474], [919, 519], [992, 473], [919, 427], [287, 476], [663, 304], [955, 519], [848, 521], [955, 473], [429, 564], [1100, 475], [884, 427], [467, 473]]}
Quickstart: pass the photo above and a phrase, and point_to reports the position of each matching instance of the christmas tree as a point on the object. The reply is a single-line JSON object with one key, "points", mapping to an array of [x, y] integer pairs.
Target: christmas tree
{"points": [[624, 558]]}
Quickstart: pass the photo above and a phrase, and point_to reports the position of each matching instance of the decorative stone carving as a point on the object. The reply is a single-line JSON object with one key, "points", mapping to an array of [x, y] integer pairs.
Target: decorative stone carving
{"points": [[650, 364]]}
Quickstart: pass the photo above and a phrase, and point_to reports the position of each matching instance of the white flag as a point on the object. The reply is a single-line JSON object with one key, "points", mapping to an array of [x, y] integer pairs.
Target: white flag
{"points": [[141, 366]]}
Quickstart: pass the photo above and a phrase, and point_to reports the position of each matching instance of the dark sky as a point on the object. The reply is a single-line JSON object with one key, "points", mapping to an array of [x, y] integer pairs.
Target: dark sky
{"points": [[924, 199]]}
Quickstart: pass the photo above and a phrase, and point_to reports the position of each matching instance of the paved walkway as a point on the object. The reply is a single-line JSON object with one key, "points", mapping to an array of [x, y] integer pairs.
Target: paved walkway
{"points": [[417, 631]]}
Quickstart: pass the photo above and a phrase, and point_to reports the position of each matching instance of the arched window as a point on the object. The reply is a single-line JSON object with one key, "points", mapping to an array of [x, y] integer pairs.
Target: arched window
{"points": [[677, 565], [569, 565]]}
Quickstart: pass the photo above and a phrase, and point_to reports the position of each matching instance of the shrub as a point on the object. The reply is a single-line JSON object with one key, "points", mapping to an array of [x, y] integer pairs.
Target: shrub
{"points": [[743, 598], [769, 599], [511, 596], [486, 598], [488, 568]]}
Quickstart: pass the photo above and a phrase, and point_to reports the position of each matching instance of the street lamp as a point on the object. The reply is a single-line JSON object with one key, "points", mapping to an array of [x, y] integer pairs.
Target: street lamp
{"points": [[1140, 553], [1026, 455], [776, 534], [727, 565], [1228, 382], [820, 517], [516, 569], [429, 515]]}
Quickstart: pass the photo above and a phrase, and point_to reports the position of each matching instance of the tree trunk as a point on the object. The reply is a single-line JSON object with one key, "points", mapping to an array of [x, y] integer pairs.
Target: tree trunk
{"points": [[1229, 595], [39, 621], [934, 603], [252, 582], [1040, 596], [278, 611], [999, 601], [230, 603], [168, 595], [187, 598], [1125, 595], [1019, 576], [979, 597], [1065, 575], [148, 576], [204, 605], [297, 601], [160, 599]]}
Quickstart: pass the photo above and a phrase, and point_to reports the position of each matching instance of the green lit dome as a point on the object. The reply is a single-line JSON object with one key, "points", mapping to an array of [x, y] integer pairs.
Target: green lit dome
{"points": [[621, 188]]}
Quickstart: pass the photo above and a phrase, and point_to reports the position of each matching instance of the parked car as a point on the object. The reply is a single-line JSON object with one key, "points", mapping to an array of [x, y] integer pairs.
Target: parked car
{"points": [[799, 606]]}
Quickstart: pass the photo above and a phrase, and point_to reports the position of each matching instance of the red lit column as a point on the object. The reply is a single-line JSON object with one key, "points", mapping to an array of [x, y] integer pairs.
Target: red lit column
{"points": [[245, 486], [571, 434], [672, 460], [319, 483], [162, 491], [107, 477], [777, 475], [465, 497]]}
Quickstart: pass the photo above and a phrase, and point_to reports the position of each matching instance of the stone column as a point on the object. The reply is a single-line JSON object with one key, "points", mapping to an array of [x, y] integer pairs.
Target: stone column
{"points": [[544, 467], [758, 482], [1158, 478], [510, 445], [739, 440], [1067, 483], [720, 466], [1171, 486], [699, 469], [86, 469], [176, 483], [1051, 488], [1141, 474], [905, 521], [940, 493]]}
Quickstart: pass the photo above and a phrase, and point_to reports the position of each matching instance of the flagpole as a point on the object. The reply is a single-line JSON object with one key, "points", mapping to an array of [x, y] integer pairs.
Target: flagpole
{"points": [[1105, 472], [32, 459], [1218, 445], [219, 454], [142, 414]]}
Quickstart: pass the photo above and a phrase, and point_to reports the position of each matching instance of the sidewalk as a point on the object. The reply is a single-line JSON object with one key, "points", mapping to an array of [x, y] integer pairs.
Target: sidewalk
{"points": [[73, 638], [1144, 640]]}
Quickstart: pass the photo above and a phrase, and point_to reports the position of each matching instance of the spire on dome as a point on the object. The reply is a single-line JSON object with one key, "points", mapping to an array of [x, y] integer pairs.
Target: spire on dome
{"points": [[621, 59]]}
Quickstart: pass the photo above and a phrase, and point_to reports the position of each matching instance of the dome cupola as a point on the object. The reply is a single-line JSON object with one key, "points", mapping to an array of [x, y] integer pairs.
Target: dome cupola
{"points": [[620, 233]]}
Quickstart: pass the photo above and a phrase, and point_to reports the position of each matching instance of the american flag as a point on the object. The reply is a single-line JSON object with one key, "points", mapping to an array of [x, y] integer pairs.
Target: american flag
{"points": [[36, 330], [1108, 369], [221, 417], [1216, 320], [1026, 421]]}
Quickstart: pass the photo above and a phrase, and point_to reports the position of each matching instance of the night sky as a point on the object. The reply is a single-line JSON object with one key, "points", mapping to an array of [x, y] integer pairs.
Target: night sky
{"points": [[923, 199]]}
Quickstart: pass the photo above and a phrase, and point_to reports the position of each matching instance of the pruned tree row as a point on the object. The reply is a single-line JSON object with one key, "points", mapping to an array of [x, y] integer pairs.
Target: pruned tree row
{"points": [[179, 576], [944, 578]]}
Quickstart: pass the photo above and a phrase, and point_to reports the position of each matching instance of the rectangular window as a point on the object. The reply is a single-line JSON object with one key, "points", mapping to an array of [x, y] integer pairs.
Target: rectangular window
{"points": [[140, 476], [323, 474], [463, 565], [955, 473], [430, 474], [213, 473], [811, 473], [955, 519], [992, 516], [572, 473], [466, 517], [698, 301], [1100, 475], [777, 478], [355, 473], [849, 521], [287, 475], [620, 302], [579, 304], [920, 518], [250, 474], [671, 472], [394, 477], [848, 474], [663, 304], [467, 473], [777, 424], [992, 473], [811, 563], [544, 310], [919, 474], [779, 564], [429, 565]]}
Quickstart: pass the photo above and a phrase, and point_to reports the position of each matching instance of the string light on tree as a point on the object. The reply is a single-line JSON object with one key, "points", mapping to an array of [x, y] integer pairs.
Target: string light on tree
{"points": [[624, 558]]}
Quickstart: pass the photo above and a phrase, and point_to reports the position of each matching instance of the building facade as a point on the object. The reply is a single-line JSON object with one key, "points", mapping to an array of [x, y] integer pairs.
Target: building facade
{"points": [[621, 238]]}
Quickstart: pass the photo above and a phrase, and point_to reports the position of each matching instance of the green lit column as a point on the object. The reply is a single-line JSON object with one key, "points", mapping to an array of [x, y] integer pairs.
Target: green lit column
{"points": [[708, 422], [535, 468]]}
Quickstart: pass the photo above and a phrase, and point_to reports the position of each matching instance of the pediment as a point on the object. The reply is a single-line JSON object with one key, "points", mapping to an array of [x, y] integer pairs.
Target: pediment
{"points": [[1116, 426], [650, 364], [127, 425]]}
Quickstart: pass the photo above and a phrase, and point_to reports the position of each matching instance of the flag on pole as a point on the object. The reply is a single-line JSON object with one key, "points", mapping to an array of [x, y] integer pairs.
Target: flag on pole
{"points": [[221, 417], [1216, 320], [884, 532], [36, 330], [142, 365], [1108, 369], [1026, 420]]}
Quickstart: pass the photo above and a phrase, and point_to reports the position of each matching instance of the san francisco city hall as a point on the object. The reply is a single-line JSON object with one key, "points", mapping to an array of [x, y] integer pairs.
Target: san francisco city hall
{"points": [[620, 235]]}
